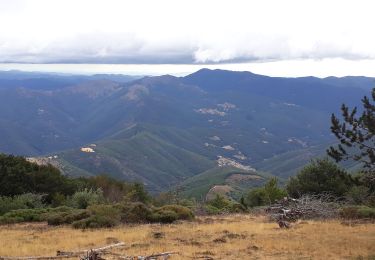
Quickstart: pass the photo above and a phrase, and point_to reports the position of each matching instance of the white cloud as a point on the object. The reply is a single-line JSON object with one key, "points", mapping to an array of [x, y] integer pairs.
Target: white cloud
{"points": [[284, 68], [186, 31]]}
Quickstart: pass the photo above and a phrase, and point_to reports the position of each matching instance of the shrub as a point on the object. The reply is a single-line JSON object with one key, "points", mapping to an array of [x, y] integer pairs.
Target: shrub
{"points": [[66, 217], [105, 210], [58, 199], [256, 197], [164, 216], [189, 203], [83, 199], [211, 210], [236, 208], [357, 212], [265, 195], [183, 213], [23, 201], [219, 202], [95, 221], [357, 195], [98, 216], [135, 212], [138, 193], [23, 215]]}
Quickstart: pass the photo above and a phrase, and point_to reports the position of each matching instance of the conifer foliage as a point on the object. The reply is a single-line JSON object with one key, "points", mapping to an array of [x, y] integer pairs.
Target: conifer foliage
{"points": [[356, 134]]}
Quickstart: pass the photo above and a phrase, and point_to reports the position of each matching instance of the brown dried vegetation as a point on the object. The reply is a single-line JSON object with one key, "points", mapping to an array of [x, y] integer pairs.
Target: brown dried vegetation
{"points": [[227, 237]]}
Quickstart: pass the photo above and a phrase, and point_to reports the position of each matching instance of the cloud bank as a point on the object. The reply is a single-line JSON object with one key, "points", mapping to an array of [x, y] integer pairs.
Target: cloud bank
{"points": [[184, 32]]}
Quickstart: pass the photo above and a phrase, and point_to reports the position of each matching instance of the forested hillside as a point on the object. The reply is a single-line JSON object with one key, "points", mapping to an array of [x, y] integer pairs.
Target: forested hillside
{"points": [[164, 130]]}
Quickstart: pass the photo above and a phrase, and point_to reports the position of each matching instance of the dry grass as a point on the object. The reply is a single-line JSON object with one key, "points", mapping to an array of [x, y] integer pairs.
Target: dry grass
{"points": [[231, 237]]}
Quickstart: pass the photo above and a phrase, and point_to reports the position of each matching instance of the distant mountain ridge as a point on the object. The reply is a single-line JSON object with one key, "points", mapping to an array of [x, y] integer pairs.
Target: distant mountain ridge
{"points": [[165, 130]]}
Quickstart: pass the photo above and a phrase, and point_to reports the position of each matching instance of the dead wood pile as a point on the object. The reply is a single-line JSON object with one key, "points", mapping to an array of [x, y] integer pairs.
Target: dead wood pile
{"points": [[287, 210]]}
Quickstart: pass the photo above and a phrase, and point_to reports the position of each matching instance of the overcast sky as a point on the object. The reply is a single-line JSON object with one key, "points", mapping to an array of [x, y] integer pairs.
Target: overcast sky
{"points": [[291, 38]]}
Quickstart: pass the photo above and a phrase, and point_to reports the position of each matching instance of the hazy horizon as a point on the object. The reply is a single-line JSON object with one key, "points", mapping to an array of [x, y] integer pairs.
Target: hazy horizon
{"points": [[292, 68]]}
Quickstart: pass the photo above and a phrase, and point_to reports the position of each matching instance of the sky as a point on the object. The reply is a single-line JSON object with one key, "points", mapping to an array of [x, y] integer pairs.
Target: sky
{"points": [[271, 37]]}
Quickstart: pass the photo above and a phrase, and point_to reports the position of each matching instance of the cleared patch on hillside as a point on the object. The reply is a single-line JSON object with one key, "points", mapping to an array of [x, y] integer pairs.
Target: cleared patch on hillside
{"points": [[218, 190]]}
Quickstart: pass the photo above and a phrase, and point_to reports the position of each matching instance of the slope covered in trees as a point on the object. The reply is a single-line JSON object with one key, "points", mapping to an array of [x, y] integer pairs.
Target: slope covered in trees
{"points": [[163, 130]]}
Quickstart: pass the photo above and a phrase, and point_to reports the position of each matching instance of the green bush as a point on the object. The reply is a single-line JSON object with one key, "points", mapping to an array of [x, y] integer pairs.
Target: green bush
{"points": [[23, 201], [98, 216], [140, 213], [58, 200], [189, 203], [138, 194], [357, 212], [23, 215], [136, 212], [357, 195], [219, 202], [66, 217], [83, 199], [265, 195], [236, 208], [220, 205], [95, 221], [256, 197], [105, 210], [183, 213], [211, 210], [164, 216]]}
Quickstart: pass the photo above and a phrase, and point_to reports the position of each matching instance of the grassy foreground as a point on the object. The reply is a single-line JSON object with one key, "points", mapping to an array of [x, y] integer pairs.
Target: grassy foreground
{"points": [[227, 237]]}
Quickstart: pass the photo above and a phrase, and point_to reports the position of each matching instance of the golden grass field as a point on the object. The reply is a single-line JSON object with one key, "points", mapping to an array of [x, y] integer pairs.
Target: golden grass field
{"points": [[227, 237]]}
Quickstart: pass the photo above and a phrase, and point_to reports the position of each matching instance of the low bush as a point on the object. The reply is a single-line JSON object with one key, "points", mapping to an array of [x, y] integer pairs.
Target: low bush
{"points": [[357, 212], [84, 198], [236, 208], [66, 217], [220, 205], [219, 202], [54, 216], [171, 213], [183, 213], [211, 210], [134, 212], [98, 216], [95, 221], [23, 215], [140, 213], [163, 216], [357, 195]]}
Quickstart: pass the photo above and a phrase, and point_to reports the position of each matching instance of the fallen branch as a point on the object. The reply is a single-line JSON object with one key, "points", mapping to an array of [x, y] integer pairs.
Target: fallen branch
{"points": [[33, 257], [164, 255], [155, 256], [62, 254]]}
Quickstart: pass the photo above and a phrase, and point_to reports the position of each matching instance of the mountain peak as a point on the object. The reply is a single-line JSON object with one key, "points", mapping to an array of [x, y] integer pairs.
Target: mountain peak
{"points": [[206, 71]]}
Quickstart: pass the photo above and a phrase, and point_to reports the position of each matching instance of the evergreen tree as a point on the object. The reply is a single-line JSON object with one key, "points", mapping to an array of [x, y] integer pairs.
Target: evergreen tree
{"points": [[356, 134], [320, 176]]}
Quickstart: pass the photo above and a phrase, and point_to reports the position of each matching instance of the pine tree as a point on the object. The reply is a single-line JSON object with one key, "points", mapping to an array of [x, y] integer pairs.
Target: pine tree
{"points": [[356, 135]]}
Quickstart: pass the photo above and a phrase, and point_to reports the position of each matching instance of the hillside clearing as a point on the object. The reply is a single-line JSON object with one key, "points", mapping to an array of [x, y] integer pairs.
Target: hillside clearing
{"points": [[224, 237]]}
